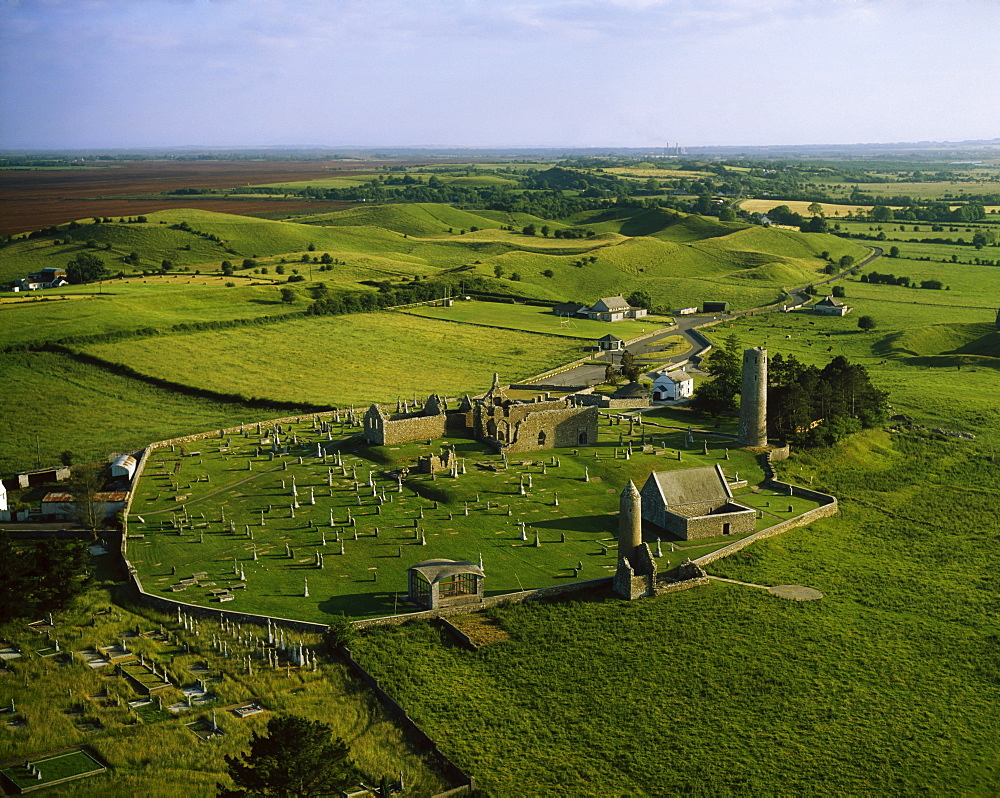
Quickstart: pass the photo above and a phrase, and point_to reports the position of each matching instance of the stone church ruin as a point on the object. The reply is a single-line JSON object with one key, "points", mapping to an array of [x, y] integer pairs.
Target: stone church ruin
{"points": [[508, 425]]}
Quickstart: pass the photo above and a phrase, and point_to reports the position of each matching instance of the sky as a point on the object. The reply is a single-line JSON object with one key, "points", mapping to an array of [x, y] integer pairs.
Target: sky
{"points": [[496, 73]]}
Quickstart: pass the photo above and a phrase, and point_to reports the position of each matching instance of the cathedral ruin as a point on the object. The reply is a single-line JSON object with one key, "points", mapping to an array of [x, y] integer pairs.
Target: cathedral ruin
{"points": [[508, 425]]}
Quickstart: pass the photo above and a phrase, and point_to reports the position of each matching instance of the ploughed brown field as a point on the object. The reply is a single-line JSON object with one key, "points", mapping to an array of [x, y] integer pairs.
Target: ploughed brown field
{"points": [[31, 199]]}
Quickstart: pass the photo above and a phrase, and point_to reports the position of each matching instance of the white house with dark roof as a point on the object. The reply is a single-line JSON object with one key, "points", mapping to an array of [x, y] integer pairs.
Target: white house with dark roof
{"points": [[614, 308], [831, 306], [610, 343], [672, 385]]}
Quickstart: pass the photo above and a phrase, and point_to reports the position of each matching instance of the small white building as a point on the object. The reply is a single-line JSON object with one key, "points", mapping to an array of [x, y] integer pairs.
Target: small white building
{"points": [[3, 496], [610, 343], [124, 466], [831, 306], [672, 385]]}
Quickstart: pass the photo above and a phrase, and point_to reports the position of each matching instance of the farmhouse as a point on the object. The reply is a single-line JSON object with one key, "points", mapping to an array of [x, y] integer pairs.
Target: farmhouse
{"points": [[694, 503], [614, 308], [49, 277], [3, 496], [672, 385], [831, 306], [445, 583]]}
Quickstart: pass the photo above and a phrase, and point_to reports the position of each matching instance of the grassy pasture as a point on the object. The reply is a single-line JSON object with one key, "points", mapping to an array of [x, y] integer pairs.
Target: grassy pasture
{"points": [[51, 403], [762, 695], [536, 319], [134, 303], [344, 360], [585, 514], [830, 210], [150, 751]]}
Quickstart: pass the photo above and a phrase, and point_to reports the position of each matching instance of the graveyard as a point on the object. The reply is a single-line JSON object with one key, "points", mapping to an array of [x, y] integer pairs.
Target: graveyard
{"points": [[328, 525], [163, 698], [48, 771]]}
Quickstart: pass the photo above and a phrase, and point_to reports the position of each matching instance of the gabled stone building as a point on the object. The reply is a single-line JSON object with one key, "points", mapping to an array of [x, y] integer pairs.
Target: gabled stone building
{"points": [[694, 503]]}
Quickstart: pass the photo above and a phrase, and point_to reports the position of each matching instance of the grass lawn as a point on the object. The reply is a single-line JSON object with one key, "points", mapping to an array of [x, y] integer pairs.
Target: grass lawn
{"points": [[537, 319], [344, 360], [208, 479]]}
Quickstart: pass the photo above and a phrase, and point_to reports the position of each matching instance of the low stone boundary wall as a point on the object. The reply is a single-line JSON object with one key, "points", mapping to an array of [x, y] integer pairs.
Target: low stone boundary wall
{"points": [[487, 603], [828, 506], [172, 605], [451, 771], [460, 637], [771, 531]]}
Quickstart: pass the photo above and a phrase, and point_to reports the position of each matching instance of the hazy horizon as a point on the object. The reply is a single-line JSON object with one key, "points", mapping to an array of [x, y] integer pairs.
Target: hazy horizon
{"points": [[509, 74]]}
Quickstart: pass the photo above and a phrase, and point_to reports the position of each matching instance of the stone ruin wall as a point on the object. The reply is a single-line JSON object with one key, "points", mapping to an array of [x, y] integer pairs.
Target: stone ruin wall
{"points": [[710, 526], [562, 429]]}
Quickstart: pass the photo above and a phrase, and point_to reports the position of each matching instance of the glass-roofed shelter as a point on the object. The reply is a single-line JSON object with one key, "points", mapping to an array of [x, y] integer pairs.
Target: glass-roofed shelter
{"points": [[444, 583]]}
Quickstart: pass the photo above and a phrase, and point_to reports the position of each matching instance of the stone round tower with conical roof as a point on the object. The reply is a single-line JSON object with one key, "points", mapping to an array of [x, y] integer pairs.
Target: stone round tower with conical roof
{"points": [[629, 521], [753, 398]]}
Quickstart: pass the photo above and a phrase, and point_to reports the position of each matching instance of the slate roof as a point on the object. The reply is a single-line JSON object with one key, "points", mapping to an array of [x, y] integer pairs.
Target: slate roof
{"points": [[631, 390], [610, 338], [830, 302], [611, 304], [690, 485], [676, 376]]}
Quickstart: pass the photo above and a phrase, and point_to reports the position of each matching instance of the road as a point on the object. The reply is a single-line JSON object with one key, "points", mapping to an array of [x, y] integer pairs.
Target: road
{"points": [[592, 373]]}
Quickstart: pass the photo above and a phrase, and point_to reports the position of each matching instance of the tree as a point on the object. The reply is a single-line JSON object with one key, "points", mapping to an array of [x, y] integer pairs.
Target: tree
{"points": [[498, 270], [846, 261], [45, 577], [629, 369], [815, 209], [548, 273], [640, 299], [86, 508], [893, 252], [287, 296], [326, 258], [66, 457], [866, 323], [529, 230], [545, 230], [297, 757], [85, 268], [838, 291], [725, 364], [227, 268]]}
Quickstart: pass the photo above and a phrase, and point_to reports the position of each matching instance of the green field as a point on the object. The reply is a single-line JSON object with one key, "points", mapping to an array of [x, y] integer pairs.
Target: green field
{"points": [[344, 360], [98, 412], [754, 694], [537, 319], [572, 517]]}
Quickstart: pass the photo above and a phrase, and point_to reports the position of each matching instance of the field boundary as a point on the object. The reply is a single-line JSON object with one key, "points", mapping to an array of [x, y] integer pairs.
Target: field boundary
{"points": [[465, 782]]}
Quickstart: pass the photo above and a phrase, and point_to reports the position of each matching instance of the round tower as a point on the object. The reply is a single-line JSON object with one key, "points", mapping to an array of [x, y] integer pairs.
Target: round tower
{"points": [[629, 520], [753, 398]]}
